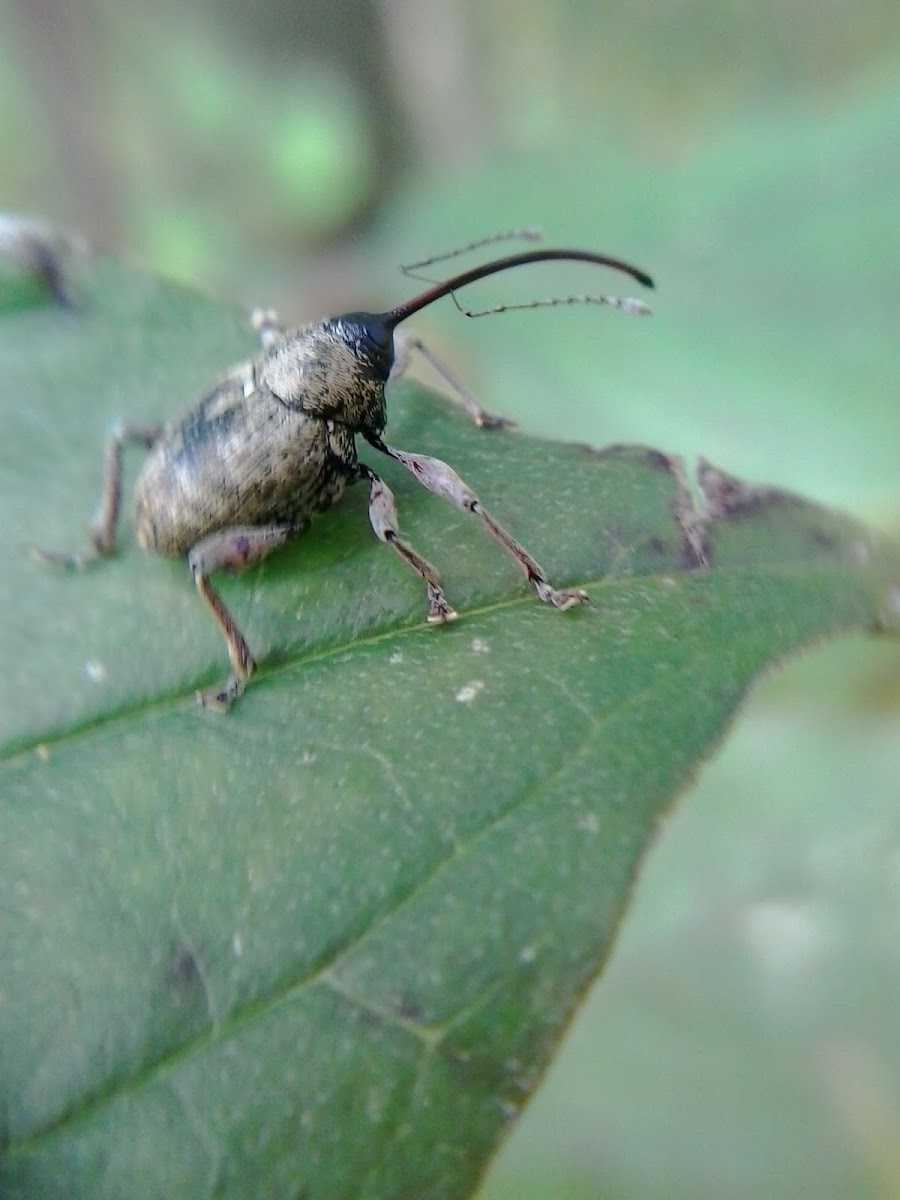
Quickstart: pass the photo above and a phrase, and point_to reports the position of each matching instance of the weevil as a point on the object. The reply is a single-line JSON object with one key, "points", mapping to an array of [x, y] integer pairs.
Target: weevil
{"points": [[274, 442]]}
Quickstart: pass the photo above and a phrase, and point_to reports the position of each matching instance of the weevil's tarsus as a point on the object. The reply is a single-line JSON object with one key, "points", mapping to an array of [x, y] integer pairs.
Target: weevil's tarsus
{"points": [[441, 479], [406, 342], [77, 560]]}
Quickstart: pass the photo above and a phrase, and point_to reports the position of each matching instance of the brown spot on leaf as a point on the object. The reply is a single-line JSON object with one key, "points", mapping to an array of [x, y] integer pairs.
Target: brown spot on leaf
{"points": [[184, 970], [662, 462], [728, 497], [695, 554], [823, 539]]}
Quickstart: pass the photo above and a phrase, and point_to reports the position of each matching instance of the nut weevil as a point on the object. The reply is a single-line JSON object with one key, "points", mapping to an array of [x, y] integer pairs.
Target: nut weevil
{"points": [[274, 442]]}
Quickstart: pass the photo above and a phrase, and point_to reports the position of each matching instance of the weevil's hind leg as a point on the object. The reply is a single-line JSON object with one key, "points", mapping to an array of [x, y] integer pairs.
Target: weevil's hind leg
{"points": [[233, 549], [443, 481], [383, 516], [103, 528], [405, 342]]}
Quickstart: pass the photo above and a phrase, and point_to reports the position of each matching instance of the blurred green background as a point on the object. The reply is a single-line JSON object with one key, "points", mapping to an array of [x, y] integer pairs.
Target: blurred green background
{"points": [[745, 1039]]}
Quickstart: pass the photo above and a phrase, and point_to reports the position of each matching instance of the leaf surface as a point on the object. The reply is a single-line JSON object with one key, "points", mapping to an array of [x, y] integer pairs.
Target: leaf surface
{"points": [[324, 946]]}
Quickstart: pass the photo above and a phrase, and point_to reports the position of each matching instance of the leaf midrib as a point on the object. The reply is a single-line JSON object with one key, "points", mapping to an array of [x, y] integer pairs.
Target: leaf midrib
{"points": [[23, 746]]}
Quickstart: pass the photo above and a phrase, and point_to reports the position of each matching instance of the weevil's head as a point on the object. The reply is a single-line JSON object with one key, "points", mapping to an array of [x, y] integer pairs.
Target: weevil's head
{"points": [[333, 370], [370, 338]]}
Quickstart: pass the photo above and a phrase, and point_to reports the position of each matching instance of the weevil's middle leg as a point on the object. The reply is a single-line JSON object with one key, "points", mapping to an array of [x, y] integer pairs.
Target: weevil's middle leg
{"points": [[405, 342], [443, 481], [383, 516], [103, 527], [233, 549]]}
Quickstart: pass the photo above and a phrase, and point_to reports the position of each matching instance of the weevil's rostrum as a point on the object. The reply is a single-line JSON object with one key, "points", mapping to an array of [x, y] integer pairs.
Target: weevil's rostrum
{"points": [[274, 442]]}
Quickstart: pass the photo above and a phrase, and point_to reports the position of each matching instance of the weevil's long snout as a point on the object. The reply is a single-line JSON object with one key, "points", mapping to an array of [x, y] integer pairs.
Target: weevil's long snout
{"points": [[370, 336], [394, 316]]}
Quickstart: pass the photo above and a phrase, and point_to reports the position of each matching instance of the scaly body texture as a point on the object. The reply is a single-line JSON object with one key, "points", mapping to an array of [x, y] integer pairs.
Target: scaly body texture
{"points": [[243, 456]]}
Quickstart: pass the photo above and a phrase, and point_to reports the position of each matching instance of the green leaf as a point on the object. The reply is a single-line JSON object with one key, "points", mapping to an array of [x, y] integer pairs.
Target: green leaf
{"points": [[324, 946]]}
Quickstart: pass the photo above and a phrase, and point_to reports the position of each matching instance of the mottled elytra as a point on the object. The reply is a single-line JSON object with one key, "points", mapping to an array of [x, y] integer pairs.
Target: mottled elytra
{"points": [[274, 441]]}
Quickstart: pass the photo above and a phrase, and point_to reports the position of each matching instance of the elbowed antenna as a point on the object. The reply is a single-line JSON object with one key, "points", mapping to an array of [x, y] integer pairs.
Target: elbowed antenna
{"points": [[394, 316]]}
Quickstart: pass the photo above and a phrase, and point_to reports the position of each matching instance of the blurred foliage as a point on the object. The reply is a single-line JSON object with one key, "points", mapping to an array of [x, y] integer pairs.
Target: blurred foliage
{"points": [[667, 76], [196, 147], [743, 1040], [773, 346], [206, 137]]}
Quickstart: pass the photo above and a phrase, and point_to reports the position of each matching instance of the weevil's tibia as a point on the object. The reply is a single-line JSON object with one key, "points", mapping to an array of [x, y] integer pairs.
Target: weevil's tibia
{"points": [[405, 342], [103, 528], [443, 481], [233, 549], [383, 516]]}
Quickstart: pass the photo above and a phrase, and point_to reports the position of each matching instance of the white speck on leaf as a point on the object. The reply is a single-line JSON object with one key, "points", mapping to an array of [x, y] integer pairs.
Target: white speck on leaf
{"points": [[396, 658], [469, 691], [374, 1106], [95, 671], [528, 954], [588, 822], [237, 945], [480, 646]]}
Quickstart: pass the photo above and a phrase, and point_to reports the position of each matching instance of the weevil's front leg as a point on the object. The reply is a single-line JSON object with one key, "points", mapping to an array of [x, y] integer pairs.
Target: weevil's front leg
{"points": [[383, 515], [267, 325], [103, 528], [233, 549], [405, 342], [443, 481]]}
